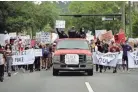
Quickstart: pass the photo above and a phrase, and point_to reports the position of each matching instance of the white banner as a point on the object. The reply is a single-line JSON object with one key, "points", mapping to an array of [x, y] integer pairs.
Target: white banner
{"points": [[1, 59], [38, 52], [46, 37], [107, 59], [60, 24], [23, 58], [133, 59]]}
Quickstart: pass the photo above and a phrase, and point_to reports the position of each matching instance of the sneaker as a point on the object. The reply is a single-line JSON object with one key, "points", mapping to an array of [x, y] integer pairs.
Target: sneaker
{"points": [[100, 71], [114, 71], [1, 79], [9, 74]]}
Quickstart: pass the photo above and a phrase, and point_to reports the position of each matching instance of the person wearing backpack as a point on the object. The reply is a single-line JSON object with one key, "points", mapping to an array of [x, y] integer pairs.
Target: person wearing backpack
{"points": [[45, 51]]}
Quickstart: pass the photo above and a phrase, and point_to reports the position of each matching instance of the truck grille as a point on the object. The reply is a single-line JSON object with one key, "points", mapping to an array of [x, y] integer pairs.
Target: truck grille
{"points": [[82, 58]]}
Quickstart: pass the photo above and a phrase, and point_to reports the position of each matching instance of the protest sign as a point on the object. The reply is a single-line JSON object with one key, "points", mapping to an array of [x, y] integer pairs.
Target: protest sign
{"points": [[13, 35], [38, 36], [106, 59], [107, 36], [99, 32], [60, 24], [133, 59], [2, 40], [23, 58], [38, 52], [46, 37], [1, 59]]}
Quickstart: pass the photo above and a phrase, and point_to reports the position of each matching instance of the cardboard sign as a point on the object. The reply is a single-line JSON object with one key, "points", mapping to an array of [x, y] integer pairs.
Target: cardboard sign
{"points": [[72, 59], [46, 37], [107, 36], [99, 32], [60, 24], [120, 37]]}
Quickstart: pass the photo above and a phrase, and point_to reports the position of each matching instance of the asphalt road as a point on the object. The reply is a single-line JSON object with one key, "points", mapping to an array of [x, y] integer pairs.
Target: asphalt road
{"points": [[44, 81]]}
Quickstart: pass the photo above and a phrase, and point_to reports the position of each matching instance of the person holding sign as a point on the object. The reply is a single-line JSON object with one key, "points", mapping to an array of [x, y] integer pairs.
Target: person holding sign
{"points": [[100, 49], [2, 65], [114, 48], [8, 54], [45, 52], [61, 34]]}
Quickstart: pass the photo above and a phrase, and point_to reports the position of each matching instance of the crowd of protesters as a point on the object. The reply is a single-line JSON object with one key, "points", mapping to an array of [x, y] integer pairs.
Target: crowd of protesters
{"points": [[105, 47], [43, 62]]}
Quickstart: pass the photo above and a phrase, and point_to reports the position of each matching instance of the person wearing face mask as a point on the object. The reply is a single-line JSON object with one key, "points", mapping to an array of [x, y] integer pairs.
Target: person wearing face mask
{"points": [[100, 49], [82, 33], [61, 34], [8, 54], [72, 33], [126, 47], [114, 48]]}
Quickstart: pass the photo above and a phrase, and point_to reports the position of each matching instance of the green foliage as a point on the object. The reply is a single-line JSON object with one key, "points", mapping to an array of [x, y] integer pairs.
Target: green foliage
{"points": [[93, 23], [21, 16]]}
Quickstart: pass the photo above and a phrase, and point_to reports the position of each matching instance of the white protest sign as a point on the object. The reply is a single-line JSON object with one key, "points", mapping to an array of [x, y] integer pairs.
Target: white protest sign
{"points": [[133, 59], [46, 37], [13, 35], [1, 59], [99, 32], [2, 40], [38, 52], [60, 24], [106, 59], [72, 59], [38, 36], [23, 58]]}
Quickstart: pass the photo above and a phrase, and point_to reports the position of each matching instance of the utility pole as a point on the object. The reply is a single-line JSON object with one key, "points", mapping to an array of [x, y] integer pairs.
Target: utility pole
{"points": [[123, 16], [130, 19]]}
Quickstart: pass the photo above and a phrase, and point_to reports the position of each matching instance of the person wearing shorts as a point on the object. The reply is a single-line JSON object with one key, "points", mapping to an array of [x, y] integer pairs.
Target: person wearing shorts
{"points": [[45, 52]]}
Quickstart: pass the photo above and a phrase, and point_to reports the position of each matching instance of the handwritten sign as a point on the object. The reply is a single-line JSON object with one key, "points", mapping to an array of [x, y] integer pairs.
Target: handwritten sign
{"points": [[45, 37], [72, 59], [60, 24], [38, 52]]}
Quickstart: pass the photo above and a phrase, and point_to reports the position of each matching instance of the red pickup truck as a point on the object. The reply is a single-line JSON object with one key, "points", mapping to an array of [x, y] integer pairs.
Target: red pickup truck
{"points": [[72, 54]]}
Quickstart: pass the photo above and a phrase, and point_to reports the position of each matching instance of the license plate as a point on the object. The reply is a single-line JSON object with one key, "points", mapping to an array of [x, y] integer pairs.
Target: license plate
{"points": [[72, 59]]}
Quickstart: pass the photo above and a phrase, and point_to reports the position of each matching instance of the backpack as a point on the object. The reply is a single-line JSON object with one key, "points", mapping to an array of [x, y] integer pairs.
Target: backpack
{"points": [[45, 51]]}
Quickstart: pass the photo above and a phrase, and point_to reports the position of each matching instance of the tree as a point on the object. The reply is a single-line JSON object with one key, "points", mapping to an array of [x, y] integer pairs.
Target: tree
{"points": [[93, 23]]}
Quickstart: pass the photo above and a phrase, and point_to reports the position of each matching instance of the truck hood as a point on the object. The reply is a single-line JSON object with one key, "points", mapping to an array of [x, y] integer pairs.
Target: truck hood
{"points": [[70, 51]]}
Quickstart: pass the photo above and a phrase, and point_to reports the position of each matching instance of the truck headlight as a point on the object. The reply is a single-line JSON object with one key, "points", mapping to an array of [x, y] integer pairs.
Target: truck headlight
{"points": [[89, 58]]}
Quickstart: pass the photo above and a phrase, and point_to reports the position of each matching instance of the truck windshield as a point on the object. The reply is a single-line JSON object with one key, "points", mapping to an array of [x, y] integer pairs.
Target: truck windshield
{"points": [[73, 44]]}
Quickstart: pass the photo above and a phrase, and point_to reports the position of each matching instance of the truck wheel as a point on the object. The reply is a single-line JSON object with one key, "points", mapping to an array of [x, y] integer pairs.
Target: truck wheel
{"points": [[90, 72], [55, 72]]}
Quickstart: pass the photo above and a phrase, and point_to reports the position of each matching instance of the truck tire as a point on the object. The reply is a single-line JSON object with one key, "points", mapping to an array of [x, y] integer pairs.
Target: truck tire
{"points": [[55, 72], [90, 72]]}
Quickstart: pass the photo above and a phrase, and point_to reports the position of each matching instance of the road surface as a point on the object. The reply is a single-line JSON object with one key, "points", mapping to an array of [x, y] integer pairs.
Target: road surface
{"points": [[44, 81]]}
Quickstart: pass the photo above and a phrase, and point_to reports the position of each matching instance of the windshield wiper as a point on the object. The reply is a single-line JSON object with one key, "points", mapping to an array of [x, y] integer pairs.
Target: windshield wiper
{"points": [[62, 48], [76, 48]]}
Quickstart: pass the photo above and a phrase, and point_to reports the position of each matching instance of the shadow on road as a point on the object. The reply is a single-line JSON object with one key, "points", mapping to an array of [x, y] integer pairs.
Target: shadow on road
{"points": [[72, 74]]}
